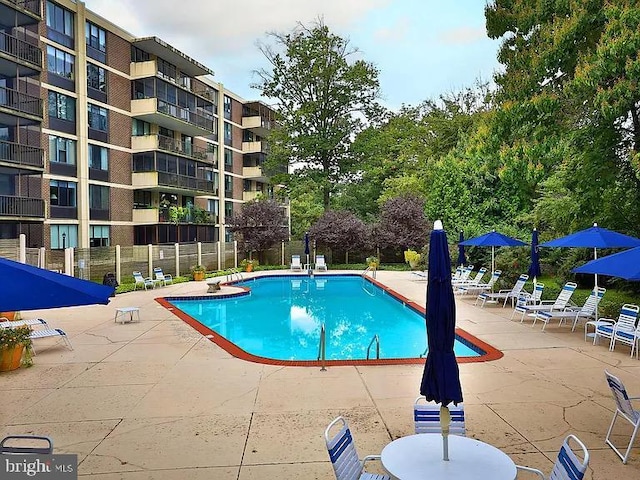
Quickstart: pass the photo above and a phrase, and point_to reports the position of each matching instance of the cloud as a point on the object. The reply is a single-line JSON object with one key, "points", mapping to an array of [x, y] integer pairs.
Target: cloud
{"points": [[462, 35], [394, 33]]}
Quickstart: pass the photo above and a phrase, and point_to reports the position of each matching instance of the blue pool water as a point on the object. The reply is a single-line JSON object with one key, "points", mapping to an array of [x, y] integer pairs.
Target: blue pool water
{"points": [[282, 316]]}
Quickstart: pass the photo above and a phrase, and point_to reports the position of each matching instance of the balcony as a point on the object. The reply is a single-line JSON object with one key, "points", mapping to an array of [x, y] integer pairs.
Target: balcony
{"points": [[167, 144], [254, 147], [21, 207], [152, 216], [174, 117], [250, 195], [25, 12], [18, 103], [254, 173], [25, 156], [16, 52], [172, 182], [257, 124]]}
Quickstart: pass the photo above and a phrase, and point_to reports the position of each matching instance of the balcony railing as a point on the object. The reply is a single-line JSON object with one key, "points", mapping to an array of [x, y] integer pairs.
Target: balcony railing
{"points": [[20, 49], [185, 115], [182, 181], [21, 154], [20, 102], [169, 144], [32, 5], [11, 206]]}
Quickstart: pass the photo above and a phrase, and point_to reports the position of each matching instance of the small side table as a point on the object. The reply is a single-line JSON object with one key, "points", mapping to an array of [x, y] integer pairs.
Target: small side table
{"points": [[126, 314]]}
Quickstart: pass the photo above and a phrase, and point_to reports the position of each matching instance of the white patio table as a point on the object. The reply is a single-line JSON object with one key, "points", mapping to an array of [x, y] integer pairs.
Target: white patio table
{"points": [[419, 457]]}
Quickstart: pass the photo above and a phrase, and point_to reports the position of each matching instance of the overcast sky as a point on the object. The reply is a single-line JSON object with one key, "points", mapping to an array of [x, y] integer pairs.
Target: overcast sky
{"points": [[423, 48]]}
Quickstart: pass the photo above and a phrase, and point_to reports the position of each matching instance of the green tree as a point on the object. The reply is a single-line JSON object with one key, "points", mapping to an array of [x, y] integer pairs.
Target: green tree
{"points": [[259, 225], [324, 95]]}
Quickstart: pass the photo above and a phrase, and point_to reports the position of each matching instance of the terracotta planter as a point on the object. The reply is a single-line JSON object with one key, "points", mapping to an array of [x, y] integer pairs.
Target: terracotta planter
{"points": [[8, 315], [198, 276], [11, 358], [249, 267]]}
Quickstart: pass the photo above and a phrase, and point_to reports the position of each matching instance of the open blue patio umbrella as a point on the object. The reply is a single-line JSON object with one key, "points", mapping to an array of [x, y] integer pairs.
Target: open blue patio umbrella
{"points": [[493, 239], [441, 377], [623, 265], [306, 246], [25, 287], [595, 237], [462, 259]]}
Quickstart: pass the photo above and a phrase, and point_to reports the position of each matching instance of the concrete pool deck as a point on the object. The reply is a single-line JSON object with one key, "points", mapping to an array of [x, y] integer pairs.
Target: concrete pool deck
{"points": [[156, 400]]}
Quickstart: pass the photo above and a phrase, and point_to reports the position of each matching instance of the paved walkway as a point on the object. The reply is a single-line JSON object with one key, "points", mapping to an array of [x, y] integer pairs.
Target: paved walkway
{"points": [[155, 400]]}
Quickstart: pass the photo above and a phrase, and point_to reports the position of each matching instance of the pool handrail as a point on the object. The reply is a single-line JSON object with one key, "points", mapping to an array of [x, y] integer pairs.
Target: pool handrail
{"points": [[322, 354], [375, 340]]}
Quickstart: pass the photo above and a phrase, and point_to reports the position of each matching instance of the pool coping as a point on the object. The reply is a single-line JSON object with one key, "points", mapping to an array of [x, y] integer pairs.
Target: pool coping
{"points": [[491, 353]]}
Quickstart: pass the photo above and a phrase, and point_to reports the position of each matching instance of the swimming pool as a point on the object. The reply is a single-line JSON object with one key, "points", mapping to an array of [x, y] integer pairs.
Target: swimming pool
{"points": [[280, 320]]}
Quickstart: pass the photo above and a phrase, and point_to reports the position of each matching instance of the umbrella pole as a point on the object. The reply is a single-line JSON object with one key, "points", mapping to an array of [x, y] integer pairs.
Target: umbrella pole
{"points": [[445, 420], [595, 257], [493, 259]]}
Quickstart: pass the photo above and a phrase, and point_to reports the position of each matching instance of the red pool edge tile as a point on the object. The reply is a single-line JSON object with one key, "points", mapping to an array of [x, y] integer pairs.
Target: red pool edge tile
{"points": [[491, 353]]}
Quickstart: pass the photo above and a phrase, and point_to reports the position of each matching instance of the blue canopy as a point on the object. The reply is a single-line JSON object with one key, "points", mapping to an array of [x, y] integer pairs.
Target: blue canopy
{"points": [[534, 266], [441, 377], [25, 287], [462, 259], [493, 239], [624, 265], [595, 237]]}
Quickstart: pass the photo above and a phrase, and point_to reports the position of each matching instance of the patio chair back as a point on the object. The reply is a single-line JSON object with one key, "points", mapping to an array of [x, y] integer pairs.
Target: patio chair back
{"points": [[568, 466], [625, 409], [426, 417], [590, 305]]}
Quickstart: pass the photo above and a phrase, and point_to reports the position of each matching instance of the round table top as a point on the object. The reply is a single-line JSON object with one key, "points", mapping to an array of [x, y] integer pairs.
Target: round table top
{"points": [[420, 457]]}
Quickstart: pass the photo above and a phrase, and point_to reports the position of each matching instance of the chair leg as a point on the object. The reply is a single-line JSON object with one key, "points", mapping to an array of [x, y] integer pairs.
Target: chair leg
{"points": [[624, 457]]}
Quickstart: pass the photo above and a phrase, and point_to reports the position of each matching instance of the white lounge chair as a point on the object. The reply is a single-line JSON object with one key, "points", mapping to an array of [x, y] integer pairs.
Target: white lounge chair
{"points": [[51, 333], [296, 266], [142, 281], [557, 305], [320, 263], [344, 456], [527, 298], [426, 417], [479, 287], [587, 310], [568, 465], [161, 277], [465, 280], [625, 409], [504, 295], [626, 323], [21, 323]]}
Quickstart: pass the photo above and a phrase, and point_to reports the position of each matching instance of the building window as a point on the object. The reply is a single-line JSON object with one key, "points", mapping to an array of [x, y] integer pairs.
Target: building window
{"points": [[60, 24], [140, 128], [60, 62], [62, 150], [99, 235], [96, 77], [64, 236], [98, 118], [142, 199], [228, 135], [228, 159], [246, 185], [62, 106], [96, 39], [167, 70], [228, 210], [98, 197], [98, 157], [228, 185], [227, 107], [62, 193], [138, 55]]}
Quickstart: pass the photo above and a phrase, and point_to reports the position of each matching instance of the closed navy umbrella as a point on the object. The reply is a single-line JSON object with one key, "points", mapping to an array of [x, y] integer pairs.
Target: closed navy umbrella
{"points": [[534, 266], [441, 377], [306, 246], [31, 288], [462, 259]]}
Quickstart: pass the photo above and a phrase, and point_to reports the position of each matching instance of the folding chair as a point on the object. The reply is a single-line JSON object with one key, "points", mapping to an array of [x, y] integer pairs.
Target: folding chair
{"points": [[568, 466], [344, 456], [625, 409], [426, 417]]}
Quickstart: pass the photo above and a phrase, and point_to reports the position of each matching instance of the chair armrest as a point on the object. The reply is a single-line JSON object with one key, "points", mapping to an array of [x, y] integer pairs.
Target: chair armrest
{"points": [[532, 470], [607, 320], [369, 457]]}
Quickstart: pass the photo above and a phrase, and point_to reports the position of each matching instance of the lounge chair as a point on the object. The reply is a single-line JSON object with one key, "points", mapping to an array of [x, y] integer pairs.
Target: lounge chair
{"points": [[625, 409], [51, 333], [527, 298], [608, 328], [426, 417], [420, 275], [344, 456], [558, 305], [568, 465], [587, 310], [504, 295], [161, 277], [479, 287], [22, 323], [296, 266], [142, 281], [320, 263], [465, 279]]}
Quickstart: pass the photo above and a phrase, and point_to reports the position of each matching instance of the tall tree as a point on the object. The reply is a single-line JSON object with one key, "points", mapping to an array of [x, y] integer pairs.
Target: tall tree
{"points": [[324, 95], [259, 225], [340, 231], [403, 223]]}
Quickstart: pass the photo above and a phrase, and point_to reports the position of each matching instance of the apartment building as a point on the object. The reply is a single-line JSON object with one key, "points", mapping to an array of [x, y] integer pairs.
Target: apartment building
{"points": [[106, 138]]}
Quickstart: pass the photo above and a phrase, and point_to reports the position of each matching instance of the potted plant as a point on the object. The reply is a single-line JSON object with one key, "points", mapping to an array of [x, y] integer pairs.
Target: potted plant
{"points": [[249, 264], [198, 272], [412, 258], [373, 262], [13, 342]]}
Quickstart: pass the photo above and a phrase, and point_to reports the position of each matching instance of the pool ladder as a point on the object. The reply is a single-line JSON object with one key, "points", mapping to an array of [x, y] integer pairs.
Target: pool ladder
{"points": [[234, 274], [322, 354], [369, 269], [375, 340]]}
